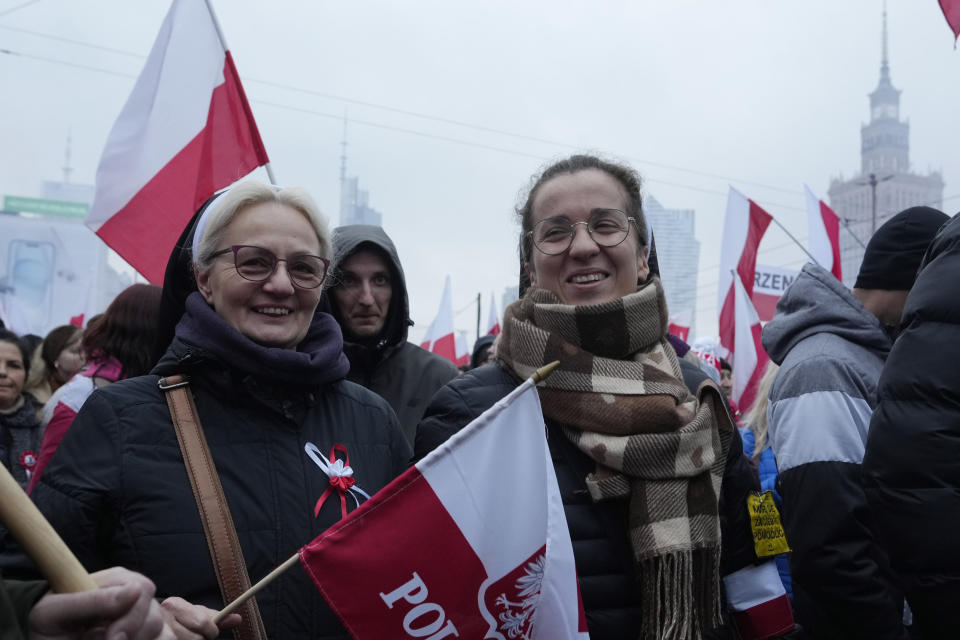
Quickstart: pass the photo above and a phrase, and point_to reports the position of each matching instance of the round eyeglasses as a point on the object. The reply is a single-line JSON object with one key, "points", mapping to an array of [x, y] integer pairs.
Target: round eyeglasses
{"points": [[607, 227], [258, 264]]}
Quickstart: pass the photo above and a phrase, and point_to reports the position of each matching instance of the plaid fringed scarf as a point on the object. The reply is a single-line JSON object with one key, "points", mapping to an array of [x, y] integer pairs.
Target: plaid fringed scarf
{"points": [[620, 396]]}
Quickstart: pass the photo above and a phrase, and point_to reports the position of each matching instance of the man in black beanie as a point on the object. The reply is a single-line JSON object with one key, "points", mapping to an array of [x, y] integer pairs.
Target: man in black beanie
{"points": [[911, 473], [891, 261], [831, 344]]}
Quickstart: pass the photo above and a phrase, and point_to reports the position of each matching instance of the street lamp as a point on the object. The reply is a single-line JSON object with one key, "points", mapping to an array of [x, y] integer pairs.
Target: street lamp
{"points": [[873, 182]]}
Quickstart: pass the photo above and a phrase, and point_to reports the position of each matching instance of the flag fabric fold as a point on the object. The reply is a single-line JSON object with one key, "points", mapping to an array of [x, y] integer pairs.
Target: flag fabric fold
{"points": [[185, 132], [951, 11], [440, 337], [824, 227], [488, 498], [750, 358], [679, 325], [493, 318], [463, 350], [744, 226]]}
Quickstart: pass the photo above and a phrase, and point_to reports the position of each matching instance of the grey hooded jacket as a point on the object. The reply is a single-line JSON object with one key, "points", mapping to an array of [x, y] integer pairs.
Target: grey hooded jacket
{"points": [[831, 351], [405, 375]]}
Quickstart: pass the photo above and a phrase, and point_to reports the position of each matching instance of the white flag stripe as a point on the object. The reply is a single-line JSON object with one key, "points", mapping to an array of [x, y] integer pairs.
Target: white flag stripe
{"points": [[167, 108], [744, 359], [819, 242], [753, 585], [484, 511], [736, 227]]}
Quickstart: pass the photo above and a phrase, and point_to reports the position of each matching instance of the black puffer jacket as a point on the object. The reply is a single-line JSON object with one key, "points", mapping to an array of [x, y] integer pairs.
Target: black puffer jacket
{"points": [[117, 489], [601, 547], [911, 468]]}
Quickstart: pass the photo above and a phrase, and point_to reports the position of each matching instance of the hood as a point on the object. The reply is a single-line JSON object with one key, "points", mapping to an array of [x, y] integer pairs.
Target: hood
{"points": [[815, 303], [346, 240]]}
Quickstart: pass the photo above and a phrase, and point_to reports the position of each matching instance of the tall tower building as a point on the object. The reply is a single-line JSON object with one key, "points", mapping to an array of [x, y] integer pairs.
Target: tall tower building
{"points": [[354, 202], [678, 253], [885, 184]]}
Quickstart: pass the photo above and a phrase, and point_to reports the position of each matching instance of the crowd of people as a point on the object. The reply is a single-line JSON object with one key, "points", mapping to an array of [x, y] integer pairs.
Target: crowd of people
{"points": [[276, 344]]}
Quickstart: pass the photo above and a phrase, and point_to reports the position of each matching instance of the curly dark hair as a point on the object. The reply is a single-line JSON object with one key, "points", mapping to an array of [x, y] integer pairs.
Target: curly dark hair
{"points": [[127, 329]]}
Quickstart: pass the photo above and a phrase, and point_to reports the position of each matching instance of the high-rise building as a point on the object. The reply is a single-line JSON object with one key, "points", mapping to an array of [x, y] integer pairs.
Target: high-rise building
{"points": [[885, 184], [355, 205], [354, 202], [678, 254]]}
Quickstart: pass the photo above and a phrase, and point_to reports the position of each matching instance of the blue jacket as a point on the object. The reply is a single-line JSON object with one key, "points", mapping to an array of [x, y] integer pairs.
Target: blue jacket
{"points": [[767, 470]]}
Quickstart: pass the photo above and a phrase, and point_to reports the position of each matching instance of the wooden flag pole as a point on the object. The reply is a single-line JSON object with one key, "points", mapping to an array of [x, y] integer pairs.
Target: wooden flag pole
{"points": [[38, 539], [252, 591]]}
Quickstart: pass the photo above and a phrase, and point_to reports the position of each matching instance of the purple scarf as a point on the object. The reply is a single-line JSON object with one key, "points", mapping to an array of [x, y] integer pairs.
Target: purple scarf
{"points": [[318, 358]]}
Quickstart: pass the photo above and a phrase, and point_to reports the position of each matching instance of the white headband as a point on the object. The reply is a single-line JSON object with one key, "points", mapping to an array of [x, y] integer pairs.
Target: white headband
{"points": [[205, 217], [202, 222]]}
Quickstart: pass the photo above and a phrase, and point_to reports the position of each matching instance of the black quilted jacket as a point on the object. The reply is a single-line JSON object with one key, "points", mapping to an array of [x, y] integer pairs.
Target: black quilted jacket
{"points": [[118, 493]]}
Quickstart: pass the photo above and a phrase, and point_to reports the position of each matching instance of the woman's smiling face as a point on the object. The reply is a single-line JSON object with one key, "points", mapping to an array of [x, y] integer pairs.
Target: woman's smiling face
{"points": [[273, 312], [587, 273]]}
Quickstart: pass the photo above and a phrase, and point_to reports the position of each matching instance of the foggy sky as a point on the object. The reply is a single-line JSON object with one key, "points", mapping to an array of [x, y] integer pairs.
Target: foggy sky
{"points": [[696, 95]]}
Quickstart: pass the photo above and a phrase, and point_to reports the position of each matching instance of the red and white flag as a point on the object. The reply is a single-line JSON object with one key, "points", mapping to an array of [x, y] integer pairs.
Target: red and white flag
{"points": [[679, 325], [745, 224], [493, 318], [749, 359], [824, 226], [951, 11], [440, 338], [185, 132], [463, 350], [472, 542]]}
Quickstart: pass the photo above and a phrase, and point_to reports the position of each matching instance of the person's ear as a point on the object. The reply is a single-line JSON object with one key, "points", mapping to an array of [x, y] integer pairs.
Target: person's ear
{"points": [[203, 284], [531, 274], [643, 267]]}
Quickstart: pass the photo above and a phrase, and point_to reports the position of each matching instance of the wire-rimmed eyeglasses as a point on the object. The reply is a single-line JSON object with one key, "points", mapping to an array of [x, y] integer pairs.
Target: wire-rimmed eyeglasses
{"points": [[257, 264], [607, 227]]}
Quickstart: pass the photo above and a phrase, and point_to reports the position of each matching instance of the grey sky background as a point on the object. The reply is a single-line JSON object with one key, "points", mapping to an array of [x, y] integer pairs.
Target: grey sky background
{"points": [[696, 95]]}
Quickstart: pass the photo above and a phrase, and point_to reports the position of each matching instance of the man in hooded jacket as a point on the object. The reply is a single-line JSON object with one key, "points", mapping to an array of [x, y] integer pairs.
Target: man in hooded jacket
{"points": [[831, 345], [368, 298]]}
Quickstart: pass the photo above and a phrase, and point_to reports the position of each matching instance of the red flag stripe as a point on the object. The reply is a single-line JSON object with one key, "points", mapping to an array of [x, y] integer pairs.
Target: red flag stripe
{"points": [[831, 223], [757, 224], [951, 11]]}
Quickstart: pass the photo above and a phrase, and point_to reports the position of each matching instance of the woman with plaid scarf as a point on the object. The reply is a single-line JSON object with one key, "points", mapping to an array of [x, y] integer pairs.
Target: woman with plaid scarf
{"points": [[649, 463]]}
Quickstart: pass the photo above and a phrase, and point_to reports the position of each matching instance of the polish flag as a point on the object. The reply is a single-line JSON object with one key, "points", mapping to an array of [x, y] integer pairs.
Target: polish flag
{"points": [[463, 351], [185, 132], [493, 319], [440, 336], [745, 224], [452, 548], [749, 360], [951, 11], [679, 325], [824, 226]]}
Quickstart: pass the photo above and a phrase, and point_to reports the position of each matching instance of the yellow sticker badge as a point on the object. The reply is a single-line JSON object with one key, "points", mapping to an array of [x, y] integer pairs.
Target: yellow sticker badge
{"points": [[768, 536]]}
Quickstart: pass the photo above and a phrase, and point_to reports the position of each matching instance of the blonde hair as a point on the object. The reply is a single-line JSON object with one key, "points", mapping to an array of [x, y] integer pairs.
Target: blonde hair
{"points": [[756, 416], [221, 212]]}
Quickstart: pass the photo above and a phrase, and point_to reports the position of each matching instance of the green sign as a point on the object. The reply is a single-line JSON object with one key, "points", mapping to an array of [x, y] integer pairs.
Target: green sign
{"points": [[46, 207]]}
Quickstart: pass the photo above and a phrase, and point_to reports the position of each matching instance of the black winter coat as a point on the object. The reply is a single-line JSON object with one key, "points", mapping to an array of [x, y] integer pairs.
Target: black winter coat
{"points": [[601, 548], [117, 490], [911, 469]]}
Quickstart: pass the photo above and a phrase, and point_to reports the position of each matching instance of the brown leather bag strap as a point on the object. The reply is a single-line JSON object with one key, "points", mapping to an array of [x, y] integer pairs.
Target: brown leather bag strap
{"points": [[218, 525]]}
